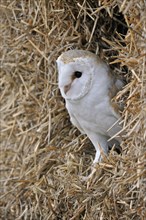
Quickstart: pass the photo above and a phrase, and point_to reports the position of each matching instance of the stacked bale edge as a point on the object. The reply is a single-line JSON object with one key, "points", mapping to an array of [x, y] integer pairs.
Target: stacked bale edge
{"points": [[42, 155]]}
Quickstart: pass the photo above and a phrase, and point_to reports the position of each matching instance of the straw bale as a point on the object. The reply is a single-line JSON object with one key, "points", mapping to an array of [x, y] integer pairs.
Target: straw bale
{"points": [[42, 155]]}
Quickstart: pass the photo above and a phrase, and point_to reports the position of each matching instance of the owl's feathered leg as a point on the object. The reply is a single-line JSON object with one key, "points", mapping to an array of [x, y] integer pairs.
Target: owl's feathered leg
{"points": [[101, 146], [100, 143]]}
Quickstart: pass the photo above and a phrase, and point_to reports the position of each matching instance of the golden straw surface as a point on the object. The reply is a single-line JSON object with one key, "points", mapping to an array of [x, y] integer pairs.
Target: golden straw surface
{"points": [[42, 155]]}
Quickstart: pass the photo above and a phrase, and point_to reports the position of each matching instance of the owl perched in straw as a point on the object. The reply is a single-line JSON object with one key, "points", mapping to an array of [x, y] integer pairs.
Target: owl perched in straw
{"points": [[88, 86]]}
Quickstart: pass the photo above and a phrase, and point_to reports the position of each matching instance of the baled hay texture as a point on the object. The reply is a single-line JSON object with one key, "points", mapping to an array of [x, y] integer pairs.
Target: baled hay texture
{"points": [[42, 154]]}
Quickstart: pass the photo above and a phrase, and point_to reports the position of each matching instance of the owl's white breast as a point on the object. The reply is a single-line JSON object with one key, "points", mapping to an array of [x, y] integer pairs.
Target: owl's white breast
{"points": [[93, 112]]}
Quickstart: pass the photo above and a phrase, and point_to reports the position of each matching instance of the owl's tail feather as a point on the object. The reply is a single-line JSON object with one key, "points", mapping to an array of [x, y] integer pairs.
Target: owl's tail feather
{"points": [[115, 145]]}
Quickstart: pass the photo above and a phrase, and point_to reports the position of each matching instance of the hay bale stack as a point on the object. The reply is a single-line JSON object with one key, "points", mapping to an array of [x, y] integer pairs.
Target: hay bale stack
{"points": [[42, 154]]}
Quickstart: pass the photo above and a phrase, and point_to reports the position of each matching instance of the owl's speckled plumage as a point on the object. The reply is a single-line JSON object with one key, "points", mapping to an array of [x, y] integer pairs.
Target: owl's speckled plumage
{"points": [[87, 85], [72, 55]]}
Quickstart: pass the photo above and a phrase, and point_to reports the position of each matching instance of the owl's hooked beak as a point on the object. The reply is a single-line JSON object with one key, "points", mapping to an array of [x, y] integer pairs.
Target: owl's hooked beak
{"points": [[67, 88]]}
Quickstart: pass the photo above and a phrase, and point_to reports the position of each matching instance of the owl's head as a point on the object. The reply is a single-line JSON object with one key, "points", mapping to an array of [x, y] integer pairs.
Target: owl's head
{"points": [[77, 69]]}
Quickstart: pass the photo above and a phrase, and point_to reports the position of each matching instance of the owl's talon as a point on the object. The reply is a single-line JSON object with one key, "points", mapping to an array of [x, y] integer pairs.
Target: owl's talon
{"points": [[88, 179]]}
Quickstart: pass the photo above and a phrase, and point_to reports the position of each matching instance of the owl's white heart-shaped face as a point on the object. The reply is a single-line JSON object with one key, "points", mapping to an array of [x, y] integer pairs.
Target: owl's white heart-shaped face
{"points": [[76, 72]]}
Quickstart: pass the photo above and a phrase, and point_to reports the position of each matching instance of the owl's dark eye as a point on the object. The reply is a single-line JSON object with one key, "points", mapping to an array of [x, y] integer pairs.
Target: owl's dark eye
{"points": [[77, 74]]}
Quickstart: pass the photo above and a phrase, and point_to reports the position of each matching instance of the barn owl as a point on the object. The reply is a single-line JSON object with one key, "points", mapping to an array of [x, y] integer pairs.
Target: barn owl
{"points": [[88, 86]]}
